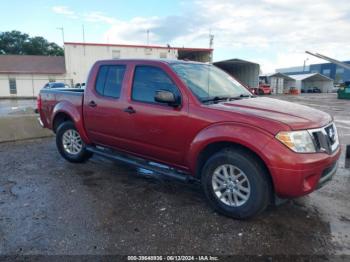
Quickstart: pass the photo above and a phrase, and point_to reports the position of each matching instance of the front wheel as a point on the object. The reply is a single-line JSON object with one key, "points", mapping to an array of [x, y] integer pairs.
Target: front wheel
{"points": [[70, 145], [235, 184]]}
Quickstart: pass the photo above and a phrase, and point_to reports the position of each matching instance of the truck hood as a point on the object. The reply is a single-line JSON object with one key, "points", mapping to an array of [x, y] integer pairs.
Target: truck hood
{"points": [[296, 116]]}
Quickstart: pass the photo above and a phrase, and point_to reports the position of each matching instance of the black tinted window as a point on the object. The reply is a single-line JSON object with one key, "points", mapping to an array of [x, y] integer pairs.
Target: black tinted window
{"points": [[109, 80], [147, 80], [58, 85]]}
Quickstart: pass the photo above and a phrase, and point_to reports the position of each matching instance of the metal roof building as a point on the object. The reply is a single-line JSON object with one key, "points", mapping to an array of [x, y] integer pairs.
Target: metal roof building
{"points": [[333, 71], [306, 81], [244, 71], [281, 83]]}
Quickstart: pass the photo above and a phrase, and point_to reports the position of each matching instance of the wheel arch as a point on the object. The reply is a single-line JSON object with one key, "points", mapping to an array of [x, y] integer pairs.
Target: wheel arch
{"points": [[59, 118], [214, 138], [217, 146], [68, 112]]}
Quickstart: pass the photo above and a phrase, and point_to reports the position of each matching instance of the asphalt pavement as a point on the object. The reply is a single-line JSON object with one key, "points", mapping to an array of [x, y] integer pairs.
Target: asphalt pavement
{"points": [[49, 206]]}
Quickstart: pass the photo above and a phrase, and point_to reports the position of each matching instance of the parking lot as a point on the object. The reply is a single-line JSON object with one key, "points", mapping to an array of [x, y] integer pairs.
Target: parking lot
{"points": [[12, 107], [50, 206]]}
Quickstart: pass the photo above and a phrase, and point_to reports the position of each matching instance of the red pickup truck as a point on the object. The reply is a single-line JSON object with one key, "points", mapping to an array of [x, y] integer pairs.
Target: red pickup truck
{"points": [[194, 122]]}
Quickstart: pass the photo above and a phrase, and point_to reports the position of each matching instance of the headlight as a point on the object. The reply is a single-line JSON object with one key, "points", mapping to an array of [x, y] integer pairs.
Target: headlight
{"points": [[298, 141]]}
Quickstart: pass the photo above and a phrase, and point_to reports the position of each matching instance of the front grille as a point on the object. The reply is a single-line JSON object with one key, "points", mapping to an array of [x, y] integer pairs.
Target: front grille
{"points": [[330, 134], [325, 138]]}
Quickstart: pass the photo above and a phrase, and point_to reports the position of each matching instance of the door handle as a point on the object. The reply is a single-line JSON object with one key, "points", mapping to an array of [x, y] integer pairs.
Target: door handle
{"points": [[129, 110], [92, 104]]}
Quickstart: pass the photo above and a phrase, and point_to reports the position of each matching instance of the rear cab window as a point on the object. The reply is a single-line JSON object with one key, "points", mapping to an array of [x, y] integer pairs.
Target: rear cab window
{"points": [[147, 80], [109, 80]]}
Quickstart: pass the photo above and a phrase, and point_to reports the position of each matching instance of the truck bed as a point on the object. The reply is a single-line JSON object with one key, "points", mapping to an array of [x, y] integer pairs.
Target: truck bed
{"points": [[66, 97]]}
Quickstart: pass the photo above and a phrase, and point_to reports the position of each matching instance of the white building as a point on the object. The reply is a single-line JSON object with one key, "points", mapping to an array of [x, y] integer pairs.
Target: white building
{"points": [[80, 57], [307, 81], [282, 83], [25, 75]]}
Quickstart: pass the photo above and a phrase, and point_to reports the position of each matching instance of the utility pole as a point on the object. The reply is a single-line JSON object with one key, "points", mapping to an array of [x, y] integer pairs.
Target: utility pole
{"points": [[84, 38], [147, 36], [62, 31], [211, 44], [305, 64], [83, 33]]}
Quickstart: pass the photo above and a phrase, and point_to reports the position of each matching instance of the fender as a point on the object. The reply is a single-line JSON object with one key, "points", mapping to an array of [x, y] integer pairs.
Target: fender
{"points": [[251, 137], [73, 112]]}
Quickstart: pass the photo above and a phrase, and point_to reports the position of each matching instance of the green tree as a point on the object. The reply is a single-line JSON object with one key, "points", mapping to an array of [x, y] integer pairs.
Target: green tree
{"points": [[12, 42], [17, 43]]}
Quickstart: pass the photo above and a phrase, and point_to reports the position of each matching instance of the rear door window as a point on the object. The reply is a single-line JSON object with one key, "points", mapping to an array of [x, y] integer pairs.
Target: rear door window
{"points": [[109, 80]]}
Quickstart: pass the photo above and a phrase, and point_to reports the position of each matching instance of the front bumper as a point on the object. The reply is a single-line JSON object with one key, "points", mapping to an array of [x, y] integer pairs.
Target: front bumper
{"points": [[295, 174], [327, 175]]}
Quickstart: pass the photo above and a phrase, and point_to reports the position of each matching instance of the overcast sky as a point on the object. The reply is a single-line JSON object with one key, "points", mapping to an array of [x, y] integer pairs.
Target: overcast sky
{"points": [[274, 33]]}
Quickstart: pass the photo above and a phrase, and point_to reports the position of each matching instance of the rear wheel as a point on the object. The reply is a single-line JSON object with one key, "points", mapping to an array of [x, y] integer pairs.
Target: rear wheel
{"points": [[235, 184], [69, 143]]}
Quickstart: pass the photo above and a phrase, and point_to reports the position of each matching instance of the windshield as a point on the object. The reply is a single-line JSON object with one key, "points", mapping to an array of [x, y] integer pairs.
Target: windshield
{"points": [[208, 82]]}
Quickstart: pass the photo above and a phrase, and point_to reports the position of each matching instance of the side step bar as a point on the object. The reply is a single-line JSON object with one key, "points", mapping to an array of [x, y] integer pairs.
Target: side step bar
{"points": [[141, 163]]}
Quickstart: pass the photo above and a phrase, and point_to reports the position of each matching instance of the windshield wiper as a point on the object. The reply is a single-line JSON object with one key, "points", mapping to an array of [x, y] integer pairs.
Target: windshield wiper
{"points": [[244, 95], [240, 96], [225, 98], [216, 99]]}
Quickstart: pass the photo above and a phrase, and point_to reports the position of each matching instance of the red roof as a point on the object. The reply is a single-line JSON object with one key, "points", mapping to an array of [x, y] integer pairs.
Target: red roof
{"points": [[32, 64], [142, 46]]}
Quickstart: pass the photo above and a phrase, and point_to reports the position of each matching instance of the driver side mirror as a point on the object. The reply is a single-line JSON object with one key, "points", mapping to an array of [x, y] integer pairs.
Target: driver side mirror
{"points": [[167, 97]]}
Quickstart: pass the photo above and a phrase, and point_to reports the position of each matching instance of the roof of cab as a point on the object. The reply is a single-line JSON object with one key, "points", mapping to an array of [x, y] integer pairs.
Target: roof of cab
{"points": [[165, 61]]}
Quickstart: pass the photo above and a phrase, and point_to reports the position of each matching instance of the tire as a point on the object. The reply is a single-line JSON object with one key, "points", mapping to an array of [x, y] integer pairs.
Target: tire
{"points": [[244, 166], [69, 143]]}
